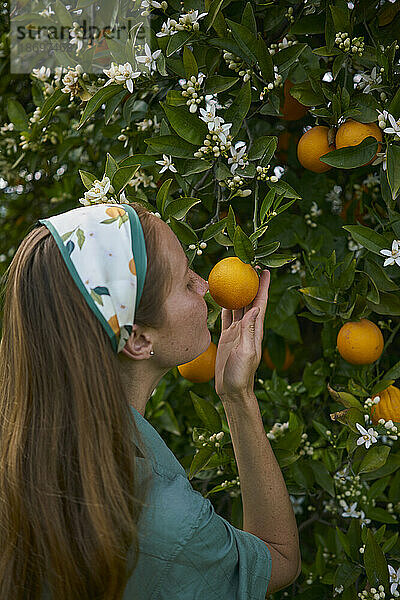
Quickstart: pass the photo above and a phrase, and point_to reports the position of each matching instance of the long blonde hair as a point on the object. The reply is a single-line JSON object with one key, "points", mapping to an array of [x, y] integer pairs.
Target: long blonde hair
{"points": [[70, 497]]}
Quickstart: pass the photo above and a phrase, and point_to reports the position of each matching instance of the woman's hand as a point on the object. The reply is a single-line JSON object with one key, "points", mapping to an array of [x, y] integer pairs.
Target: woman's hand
{"points": [[239, 347]]}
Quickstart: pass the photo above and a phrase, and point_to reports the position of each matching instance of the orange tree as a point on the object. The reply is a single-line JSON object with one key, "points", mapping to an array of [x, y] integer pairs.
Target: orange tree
{"points": [[188, 126]]}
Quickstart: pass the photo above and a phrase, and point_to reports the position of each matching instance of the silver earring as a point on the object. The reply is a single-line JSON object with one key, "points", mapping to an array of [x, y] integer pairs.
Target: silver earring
{"points": [[151, 352]]}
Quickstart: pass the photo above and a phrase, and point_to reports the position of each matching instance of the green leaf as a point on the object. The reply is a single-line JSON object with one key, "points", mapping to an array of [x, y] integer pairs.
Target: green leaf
{"points": [[100, 97], [57, 98], [178, 208], [167, 419], [162, 195], [322, 477], [382, 281], [389, 304], [304, 93], [214, 18], [87, 178], [267, 249], [375, 563], [200, 460], [281, 187], [111, 166], [121, 177], [207, 413], [172, 145], [276, 260], [353, 156], [367, 237], [245, 39], [178, 40], [264, 60], [211, 230], [393, 170], [63, 16], [263, 148], [238, 109], [186, 124], [183, 231], [175, 98], [189, 63], [267, 203], [394, 372], [243, 247], [17, 115], [286, 57], [218, 83], [374, 459]]}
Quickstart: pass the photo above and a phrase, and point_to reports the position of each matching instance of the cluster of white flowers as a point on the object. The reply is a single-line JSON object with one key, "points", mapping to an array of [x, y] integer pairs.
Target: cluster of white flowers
{"points": [[148, 5], [375, 594], [199, 247], [42, 74], [367, 437], [348, 44], [365, 81], [350, 490], [122, 74], [297, 504], [277, 430], [187, 21], [238, 156], [305, 446], [278, 82], [166, 163], [296, 267], [289, 14], [218, 140], [76, 36], [333, 196], [36, 115], [393, 255], [47, 12], [214, 439], [354, 246], [315, 211], [148, 124], [234, 483], [234, 184], [71, 81], [389, 425], [262, 174], [235, 63], [141, 178], [191, 91], [98, 192], [383, 117], [285, 43]]}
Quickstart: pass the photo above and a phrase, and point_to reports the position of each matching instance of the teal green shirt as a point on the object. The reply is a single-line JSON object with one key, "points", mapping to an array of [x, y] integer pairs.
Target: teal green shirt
{"points": [[187, 550]]}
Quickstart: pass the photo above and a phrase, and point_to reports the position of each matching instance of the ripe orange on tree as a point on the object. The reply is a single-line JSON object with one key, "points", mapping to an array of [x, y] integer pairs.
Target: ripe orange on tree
{"points": [[360, 342], [202, 368], [313, 144], [388, 408], [232, 283], [352, 133], [289, 358], [292, 109]]}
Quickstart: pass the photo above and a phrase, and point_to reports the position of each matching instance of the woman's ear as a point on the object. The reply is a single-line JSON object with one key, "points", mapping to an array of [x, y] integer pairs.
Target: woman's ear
{"points": [[139, 344]]}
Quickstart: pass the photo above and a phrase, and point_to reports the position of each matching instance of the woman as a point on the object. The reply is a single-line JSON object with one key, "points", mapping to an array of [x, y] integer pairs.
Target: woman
{"points": [[94, 505]]}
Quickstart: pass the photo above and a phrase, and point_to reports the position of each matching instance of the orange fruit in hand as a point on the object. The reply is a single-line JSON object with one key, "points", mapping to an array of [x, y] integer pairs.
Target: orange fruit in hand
{"points": [[352, 133], [289, 358], [313, 144], [292, 109], [388, 408], [232, 283], [202, 368], [360, 342]]}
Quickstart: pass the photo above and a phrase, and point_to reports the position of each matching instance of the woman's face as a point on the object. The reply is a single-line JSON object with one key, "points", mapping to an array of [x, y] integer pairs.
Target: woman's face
{"points": [[184, 334]]}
